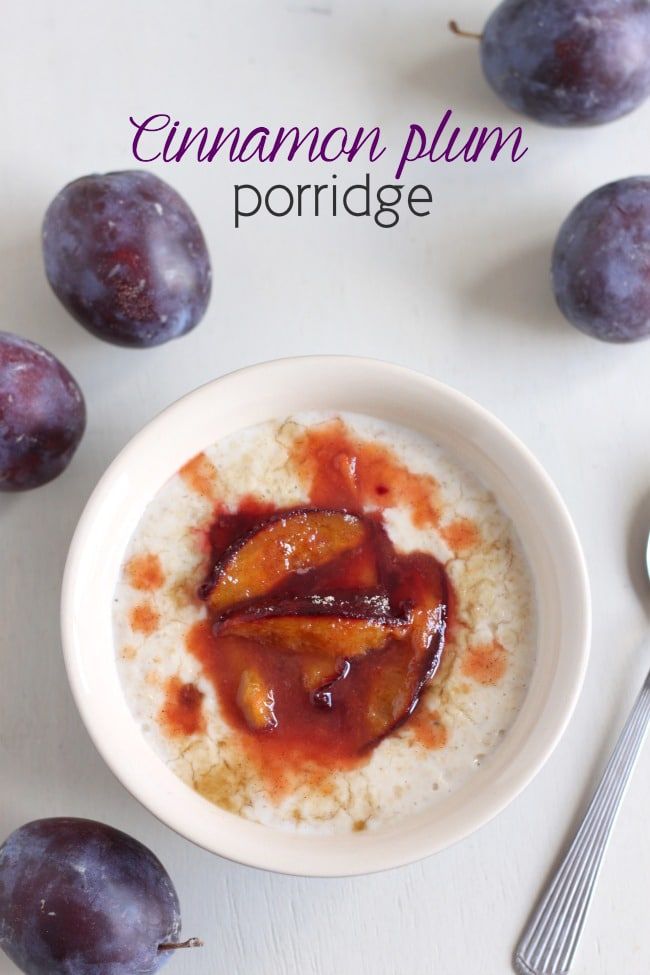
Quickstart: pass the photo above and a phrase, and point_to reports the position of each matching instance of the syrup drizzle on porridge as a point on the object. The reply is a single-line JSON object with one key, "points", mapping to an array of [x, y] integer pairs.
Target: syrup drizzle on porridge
{"points": [[180, 679]]}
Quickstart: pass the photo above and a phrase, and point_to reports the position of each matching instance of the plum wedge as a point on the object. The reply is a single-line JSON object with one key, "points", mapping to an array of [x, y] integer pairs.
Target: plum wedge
{"points": [[256, 701], [290, 542], [394, 689], [318, 672], [329, 626]]}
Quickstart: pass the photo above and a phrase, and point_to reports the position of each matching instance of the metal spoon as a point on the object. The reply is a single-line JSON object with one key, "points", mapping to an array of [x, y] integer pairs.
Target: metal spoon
{"points": [[550, 938]]}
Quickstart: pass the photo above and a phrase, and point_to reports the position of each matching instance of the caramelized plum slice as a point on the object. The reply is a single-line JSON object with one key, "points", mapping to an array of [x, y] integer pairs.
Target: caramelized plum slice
{"points": [[318, 672], [331, 626], [256, 701], [321, 690], [287, 543], [392, 695], [320, 675], [336, 636], [396, 683], [395, 688]]}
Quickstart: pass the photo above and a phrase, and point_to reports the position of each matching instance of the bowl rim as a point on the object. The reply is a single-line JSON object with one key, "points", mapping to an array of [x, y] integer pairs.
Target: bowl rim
{"points": [[318, 862]]}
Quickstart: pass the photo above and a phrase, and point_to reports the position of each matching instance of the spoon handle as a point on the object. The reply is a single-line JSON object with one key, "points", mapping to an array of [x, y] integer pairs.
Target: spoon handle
{"points": [[550, 938]]}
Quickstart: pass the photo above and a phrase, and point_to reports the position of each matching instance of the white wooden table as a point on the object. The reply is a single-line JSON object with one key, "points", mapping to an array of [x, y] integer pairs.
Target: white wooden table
{"points": [[462, 294]]}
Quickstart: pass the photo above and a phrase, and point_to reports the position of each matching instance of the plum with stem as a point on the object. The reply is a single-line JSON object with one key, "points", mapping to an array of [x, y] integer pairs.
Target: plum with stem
{"points": [[81, 898]]}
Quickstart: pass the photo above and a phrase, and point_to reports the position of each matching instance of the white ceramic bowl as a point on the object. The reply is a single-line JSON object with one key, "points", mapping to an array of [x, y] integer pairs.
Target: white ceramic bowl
{"points": [[276, 389]]}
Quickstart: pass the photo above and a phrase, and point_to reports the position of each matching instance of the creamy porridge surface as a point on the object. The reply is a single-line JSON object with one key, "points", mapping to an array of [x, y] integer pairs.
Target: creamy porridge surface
{"points": [[464, 711]]}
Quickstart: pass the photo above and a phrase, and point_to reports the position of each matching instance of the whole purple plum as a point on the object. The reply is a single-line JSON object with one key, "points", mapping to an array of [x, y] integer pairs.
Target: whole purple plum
{"points": [[81, 898], [569, 62], [601, 262], [126, 256], [42, 414]]}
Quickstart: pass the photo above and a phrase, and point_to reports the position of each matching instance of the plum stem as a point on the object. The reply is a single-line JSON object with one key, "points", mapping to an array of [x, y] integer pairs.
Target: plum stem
{"points": [[190, 943], [455, 29]]}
